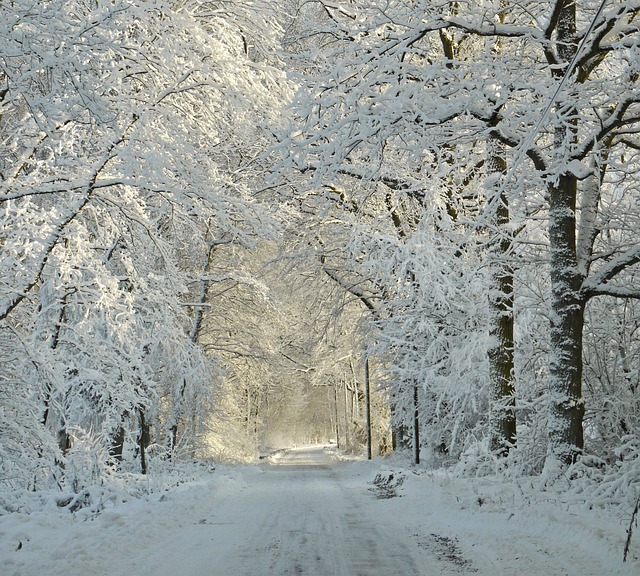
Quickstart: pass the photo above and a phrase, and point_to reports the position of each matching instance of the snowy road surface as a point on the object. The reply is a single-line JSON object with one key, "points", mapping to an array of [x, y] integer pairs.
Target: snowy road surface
{"points": [[314, 524], [304, 513]]}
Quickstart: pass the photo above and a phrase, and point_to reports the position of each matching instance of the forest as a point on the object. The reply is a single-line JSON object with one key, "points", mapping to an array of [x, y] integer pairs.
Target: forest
{"points": [[231, 226]]}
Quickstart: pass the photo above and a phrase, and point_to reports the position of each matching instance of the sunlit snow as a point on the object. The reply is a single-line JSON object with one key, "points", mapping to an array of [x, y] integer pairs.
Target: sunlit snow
{"points": [[305, 511]]}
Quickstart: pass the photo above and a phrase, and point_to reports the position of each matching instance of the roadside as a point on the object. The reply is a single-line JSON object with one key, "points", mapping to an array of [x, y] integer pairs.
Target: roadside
{"points": [[307, 513]]}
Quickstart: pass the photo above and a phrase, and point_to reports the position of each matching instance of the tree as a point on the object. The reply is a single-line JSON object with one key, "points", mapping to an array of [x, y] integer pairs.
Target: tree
{"points": [[400, 104], [129, 133], [401, 196]]}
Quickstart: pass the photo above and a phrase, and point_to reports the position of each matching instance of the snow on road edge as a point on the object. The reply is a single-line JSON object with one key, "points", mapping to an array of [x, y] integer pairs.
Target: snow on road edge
{"points": [[487, 524]]}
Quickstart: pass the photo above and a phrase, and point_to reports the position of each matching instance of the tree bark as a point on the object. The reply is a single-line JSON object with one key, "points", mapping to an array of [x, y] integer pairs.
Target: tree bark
{"points": [[416, 425], [117, 445], [566, 440], [144, 439], [566, 405], [501, 364], [367, 399]]}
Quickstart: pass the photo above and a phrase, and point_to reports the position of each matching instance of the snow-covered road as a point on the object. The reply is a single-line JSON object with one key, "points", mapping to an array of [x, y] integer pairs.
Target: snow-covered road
{"points": [[302, 517], [306, 513]]}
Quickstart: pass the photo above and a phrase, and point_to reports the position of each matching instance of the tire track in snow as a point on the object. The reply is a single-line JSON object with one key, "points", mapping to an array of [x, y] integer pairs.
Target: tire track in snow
{"points": [[306, 522]]}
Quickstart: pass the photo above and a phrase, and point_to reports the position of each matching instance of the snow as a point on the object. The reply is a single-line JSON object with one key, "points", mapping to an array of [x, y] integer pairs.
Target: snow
{"points": [[305, 511]]}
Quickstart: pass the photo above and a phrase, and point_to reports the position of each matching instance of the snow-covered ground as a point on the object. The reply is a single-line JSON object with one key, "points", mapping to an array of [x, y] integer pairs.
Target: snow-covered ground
{"points": [[305, 512]]}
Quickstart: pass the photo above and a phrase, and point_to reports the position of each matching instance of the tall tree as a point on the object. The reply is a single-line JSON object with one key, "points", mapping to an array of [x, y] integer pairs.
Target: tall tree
{"points": [[125, 127], [560, 95]]}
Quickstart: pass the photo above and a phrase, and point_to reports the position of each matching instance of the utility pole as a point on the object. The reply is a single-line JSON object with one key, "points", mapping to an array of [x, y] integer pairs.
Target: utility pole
{"points": [[347, 417]]}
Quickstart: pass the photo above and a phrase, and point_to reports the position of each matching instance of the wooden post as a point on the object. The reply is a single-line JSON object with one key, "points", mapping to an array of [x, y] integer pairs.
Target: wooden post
{"points": [[335, 411], [416, 425], [367, 399]]}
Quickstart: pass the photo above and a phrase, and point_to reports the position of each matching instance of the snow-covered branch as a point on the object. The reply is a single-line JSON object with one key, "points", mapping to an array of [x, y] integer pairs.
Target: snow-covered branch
{"points": [[597, 283]]}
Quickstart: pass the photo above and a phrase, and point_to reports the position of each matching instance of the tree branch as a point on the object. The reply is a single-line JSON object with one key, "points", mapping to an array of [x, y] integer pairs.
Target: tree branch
{"points": [[351, 288], [597, 284]]}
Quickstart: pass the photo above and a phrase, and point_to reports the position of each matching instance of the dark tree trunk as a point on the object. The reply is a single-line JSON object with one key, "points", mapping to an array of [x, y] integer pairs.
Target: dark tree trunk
{"points": [[501, 364], [567, 316], [64, 441], [144, 439], [172, 438], [501, 355], [367, 399], [566, 440], [416, 425]]}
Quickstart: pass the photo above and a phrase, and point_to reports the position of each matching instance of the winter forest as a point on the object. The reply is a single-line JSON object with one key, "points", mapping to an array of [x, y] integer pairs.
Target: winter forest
{"points": [[406, 226]]}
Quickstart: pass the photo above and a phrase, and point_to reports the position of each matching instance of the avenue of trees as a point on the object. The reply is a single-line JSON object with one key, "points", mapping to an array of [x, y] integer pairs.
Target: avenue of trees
{"points": [[220, 221], [489, 155]]}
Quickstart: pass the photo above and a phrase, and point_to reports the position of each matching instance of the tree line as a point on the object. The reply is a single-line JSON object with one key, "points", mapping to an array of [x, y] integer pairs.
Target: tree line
{"points": [[211, 210]]}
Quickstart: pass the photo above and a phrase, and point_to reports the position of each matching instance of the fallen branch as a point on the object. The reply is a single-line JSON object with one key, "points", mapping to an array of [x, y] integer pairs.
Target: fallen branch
{"points": [[386, 487], [634, 518], [73, 502]]}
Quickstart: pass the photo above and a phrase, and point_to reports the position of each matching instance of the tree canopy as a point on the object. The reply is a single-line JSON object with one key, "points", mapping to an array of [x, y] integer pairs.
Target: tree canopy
{"points": [[221, 221]]}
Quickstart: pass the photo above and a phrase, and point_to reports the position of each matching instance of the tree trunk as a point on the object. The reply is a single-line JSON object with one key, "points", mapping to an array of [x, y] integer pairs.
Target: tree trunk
{"points": [[416, 425], [347, 416], [144, 439], [64, 442], [566, 405], [566, 439], [172, 438], [335, 411], [501, 355], [63, 438], [367, 400], [117, 445], [177, 408], [501, 365]]}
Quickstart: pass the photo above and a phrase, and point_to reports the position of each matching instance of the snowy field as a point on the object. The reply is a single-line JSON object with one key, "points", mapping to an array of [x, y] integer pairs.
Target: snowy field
{"points": [[306, 512]]}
